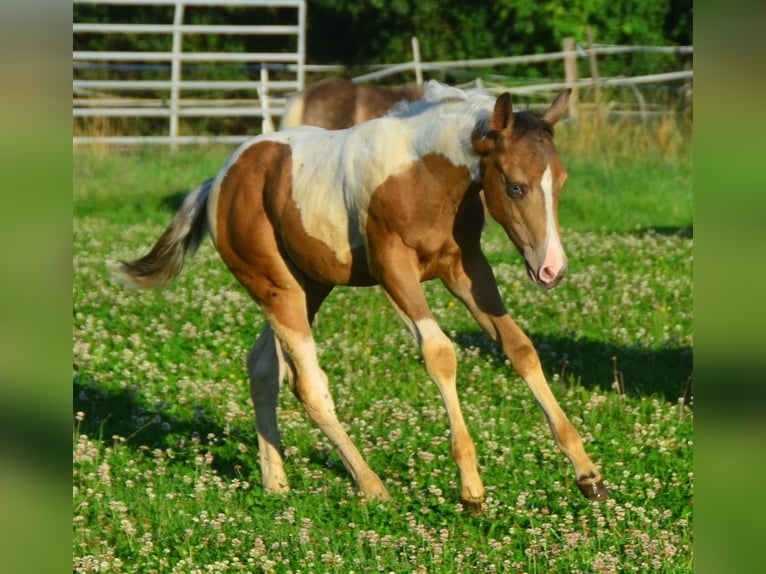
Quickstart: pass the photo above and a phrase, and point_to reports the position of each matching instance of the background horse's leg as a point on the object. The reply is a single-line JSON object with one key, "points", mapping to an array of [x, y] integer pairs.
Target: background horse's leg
{"points": [[405, 293], [266, 369], [309, 382], [473, 282]]}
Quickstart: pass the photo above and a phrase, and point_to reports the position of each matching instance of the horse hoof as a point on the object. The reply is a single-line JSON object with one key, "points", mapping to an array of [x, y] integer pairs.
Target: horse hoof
{"points": [[378, 494], [277, 490], [593, 490], [473, 506]]}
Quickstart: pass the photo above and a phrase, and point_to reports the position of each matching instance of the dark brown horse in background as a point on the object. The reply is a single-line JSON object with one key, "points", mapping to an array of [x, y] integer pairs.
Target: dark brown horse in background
{"points": [[338, 103]]}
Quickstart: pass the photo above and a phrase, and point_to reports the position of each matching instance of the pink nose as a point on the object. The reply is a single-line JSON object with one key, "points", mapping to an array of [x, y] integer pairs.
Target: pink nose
{"points": [[547, 274], [553, 267], [550, 276]]}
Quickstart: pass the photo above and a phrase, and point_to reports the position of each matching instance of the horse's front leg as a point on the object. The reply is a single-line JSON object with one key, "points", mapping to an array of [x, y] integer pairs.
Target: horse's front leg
{"points": [[402, 286], [473, 282], [520, 351]]}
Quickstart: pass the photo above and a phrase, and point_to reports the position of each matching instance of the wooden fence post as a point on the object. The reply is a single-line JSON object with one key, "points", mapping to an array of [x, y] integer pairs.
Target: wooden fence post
{"points": [[594, 69], [571, 74]]}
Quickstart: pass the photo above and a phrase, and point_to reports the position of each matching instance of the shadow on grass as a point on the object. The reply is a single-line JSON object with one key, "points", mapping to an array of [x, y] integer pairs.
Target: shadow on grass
{"points": [[123, 412], [686, 231], [173, 201], [664, 372]]}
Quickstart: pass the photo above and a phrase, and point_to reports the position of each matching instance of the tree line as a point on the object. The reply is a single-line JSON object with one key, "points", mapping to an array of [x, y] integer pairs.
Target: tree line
{"points": [[355, 33]]}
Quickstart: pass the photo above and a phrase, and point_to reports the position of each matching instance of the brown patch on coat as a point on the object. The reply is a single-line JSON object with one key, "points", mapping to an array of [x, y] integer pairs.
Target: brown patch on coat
{"points": [[246, 237], [431, 208], [260, 231], [317, 259]]}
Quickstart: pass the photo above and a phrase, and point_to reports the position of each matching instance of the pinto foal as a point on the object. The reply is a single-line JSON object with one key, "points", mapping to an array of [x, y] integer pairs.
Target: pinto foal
{"points": [[394, 201]]}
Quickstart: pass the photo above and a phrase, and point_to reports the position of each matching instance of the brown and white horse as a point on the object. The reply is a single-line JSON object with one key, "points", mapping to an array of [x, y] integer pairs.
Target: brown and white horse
{"points": [[393, 201], [339, 103]]}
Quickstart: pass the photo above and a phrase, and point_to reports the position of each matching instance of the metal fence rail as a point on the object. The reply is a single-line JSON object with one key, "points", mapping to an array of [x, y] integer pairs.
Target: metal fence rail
{"points": [[127, 97]]}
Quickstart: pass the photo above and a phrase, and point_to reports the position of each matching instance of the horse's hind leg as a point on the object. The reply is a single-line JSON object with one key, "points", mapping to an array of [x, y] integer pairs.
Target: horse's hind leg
{"points": [[309, 382], [265, 367]]}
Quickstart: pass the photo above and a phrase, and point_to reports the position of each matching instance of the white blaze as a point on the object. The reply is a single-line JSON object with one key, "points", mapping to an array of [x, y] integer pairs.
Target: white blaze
{"points": [[553, 257]]}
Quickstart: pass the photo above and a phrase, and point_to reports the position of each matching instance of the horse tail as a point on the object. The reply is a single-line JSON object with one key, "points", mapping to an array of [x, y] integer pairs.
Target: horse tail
{"points": [[166, 259], [293, 114]]}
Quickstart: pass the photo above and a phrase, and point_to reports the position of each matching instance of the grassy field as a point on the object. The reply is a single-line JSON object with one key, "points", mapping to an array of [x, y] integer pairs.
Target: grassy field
{"points": [[165, 473]]}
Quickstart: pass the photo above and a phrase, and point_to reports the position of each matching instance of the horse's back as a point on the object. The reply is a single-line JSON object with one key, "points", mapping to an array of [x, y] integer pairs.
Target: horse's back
{"points": [[329, 103], [314, 187], [338, 103], [376, 101]]}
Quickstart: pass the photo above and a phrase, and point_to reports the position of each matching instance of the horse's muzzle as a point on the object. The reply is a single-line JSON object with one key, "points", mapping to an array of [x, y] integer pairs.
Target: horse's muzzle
{"points": [[546, 277]]}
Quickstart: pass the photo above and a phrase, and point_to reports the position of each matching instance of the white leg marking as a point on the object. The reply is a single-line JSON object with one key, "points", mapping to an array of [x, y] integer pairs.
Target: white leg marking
{"points": [[441, 361], [312, 389], [266, 369]]}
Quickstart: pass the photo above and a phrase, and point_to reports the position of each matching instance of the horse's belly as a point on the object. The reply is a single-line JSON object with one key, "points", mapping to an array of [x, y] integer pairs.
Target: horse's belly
{"points": [[321, 263]]}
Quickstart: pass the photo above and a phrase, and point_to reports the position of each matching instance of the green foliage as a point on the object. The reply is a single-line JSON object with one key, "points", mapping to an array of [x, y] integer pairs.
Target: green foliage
{"points": [[450, 30]]}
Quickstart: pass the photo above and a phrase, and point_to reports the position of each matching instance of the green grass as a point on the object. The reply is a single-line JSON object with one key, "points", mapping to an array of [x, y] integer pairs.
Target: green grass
{"points": [[165, 471]]}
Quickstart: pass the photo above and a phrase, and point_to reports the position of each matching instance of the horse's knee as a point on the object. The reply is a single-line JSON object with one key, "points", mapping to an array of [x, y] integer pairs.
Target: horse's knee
{"points": [[441, 359], [438, 351], [524, 358]]}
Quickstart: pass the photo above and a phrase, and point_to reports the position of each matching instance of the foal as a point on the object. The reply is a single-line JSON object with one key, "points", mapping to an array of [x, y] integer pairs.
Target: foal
{"points": [[394, 201]]}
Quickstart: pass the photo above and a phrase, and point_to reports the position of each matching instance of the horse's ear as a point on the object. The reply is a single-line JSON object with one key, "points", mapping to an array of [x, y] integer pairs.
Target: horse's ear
{"points": [[558, 107], [502, 116]]}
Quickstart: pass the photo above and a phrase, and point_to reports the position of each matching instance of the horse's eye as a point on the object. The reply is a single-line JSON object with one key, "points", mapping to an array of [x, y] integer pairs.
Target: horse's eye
{"points": [[515, 189]]}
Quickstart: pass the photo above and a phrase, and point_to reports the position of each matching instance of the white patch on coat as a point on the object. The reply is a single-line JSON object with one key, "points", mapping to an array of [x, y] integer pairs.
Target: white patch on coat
{"points": [[429, 330]]}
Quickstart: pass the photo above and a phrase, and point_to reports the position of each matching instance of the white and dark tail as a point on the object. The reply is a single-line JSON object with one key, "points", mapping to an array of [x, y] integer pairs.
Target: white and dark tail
{"points": [[166, 259]]}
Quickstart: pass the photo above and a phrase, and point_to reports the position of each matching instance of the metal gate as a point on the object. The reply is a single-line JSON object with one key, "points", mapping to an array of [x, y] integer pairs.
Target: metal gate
{"points": [[170, 82]]}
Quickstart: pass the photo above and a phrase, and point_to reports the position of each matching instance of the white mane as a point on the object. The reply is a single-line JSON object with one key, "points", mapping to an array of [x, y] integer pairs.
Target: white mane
{"points": [[443, 120], [437, 93]]}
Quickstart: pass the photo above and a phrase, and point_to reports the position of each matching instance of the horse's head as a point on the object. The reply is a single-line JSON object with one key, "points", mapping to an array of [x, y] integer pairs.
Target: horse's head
{"points": [[522, 177]]}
